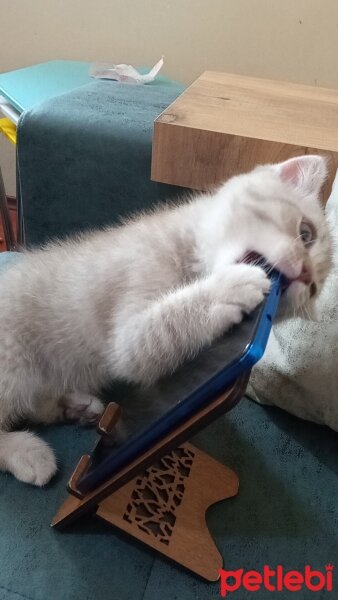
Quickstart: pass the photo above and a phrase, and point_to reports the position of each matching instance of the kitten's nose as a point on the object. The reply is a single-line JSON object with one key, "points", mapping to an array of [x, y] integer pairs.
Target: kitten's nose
{"points": [[291, 269], [305, 275]]}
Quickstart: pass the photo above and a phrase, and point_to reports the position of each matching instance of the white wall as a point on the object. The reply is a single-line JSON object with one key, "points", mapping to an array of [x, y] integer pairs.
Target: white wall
{"points": [[294, 40]]}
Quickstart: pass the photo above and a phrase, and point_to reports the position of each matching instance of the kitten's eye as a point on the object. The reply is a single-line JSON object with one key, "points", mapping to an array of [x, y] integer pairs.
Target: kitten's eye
{"points": [[307, 233]]}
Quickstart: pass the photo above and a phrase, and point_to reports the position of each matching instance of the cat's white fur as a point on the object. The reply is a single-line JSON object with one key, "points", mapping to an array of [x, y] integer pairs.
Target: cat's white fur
{"points": [[133, 302]]}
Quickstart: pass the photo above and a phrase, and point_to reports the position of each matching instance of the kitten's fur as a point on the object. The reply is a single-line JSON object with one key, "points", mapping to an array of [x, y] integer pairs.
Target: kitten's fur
{"points": [[134, 302]]}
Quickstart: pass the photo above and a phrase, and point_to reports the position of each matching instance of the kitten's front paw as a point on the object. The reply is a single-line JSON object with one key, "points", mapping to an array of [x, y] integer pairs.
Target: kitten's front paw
{"points": [[31, 460], [239, 290], [249, 285]]}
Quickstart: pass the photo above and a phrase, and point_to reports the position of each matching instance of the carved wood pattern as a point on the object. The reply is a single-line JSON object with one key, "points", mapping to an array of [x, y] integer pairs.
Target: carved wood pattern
{"points": [[158, 494]]}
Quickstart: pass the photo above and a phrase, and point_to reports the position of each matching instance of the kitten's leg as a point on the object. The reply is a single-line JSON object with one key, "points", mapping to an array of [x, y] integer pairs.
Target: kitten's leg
{"points": [[74, 406], [177, 326], [78, 406], [27, 457]]}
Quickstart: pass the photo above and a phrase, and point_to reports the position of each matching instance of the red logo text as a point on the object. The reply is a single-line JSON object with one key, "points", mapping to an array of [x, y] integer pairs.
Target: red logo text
{"points": [[276, 580]]}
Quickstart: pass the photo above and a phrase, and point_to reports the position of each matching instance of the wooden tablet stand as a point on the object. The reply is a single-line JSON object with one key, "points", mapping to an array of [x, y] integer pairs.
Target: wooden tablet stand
{"points": [[161, 497]]}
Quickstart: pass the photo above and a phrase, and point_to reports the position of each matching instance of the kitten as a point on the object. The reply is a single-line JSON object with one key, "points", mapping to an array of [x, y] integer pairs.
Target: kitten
{"points": [[133, 302]]}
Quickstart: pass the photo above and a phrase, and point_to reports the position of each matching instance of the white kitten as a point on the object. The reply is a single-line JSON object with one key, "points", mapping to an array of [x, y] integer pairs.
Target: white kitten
{"points": [[134, 302]]}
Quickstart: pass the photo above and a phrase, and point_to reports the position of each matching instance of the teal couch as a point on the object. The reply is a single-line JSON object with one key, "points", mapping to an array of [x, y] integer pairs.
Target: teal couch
{"points": [[286, 510]]}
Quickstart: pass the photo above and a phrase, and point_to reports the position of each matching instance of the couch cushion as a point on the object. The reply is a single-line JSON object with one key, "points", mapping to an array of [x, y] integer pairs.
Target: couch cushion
{"points": [[299, 371]]}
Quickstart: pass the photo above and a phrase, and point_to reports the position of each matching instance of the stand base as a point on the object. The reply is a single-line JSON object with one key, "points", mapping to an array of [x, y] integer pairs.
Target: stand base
{"points": [[165, 507], [162, 496]]}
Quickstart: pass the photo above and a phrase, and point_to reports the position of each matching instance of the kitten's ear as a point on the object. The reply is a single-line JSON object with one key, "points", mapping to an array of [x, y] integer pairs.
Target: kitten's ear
{"points": [[306, 173]]}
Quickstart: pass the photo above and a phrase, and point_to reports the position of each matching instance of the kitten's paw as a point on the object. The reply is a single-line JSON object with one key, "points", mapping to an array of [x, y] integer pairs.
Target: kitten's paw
{"points": [[83, 408], [251, 287], [245, 286], [237, 292], [30, 459]]}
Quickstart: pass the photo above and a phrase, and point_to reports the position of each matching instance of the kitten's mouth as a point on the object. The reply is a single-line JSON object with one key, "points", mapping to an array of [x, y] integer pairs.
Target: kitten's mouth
{"points": [[305, 277]]}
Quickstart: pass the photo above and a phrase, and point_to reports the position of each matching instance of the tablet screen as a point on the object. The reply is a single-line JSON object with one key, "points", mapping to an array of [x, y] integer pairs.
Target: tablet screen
{"points": [[143, 409]]}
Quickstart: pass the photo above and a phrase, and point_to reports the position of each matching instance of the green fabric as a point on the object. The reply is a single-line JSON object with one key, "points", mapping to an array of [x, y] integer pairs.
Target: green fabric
{"points": [[286, 513], [84, 158]]}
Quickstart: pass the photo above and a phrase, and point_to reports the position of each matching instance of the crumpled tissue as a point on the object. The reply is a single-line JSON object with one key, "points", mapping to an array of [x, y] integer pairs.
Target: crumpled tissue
{"points": [[124, 73]]}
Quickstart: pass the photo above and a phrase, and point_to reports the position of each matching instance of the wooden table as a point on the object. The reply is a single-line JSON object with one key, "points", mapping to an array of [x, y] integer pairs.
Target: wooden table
{"points": [[227, 124]]}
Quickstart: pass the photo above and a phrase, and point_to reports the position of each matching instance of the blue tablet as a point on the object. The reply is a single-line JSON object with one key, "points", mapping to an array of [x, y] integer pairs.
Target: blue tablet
{"points": [[176, 398]]}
